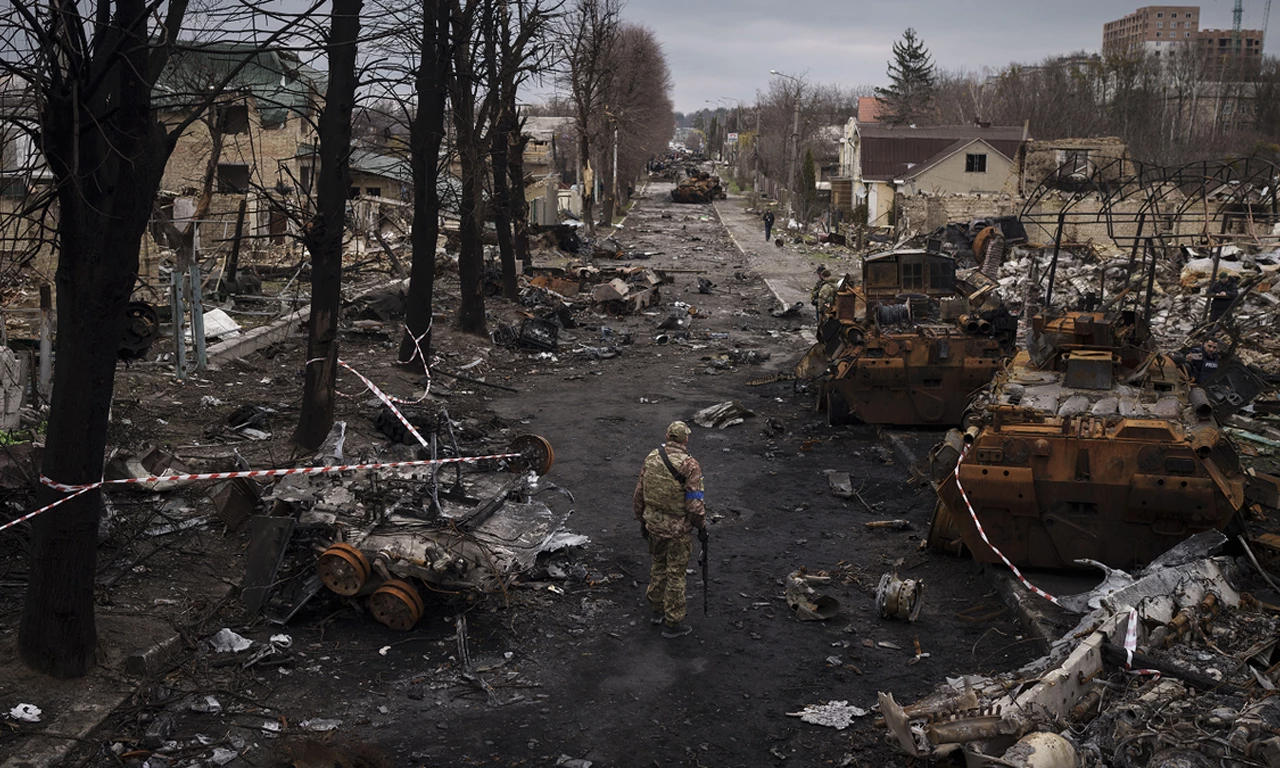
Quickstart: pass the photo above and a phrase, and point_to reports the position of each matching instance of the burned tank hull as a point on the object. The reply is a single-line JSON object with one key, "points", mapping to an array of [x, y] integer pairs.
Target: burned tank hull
{"points": [[909, 347], [920, 379], [1095, 452]]}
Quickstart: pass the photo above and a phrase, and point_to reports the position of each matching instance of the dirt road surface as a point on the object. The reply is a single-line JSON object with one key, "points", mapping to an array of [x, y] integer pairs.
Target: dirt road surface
{"points": [[577, 672]]}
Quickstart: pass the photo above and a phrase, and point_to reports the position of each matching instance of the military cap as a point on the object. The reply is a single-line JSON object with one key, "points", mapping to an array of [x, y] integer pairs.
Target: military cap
{"points": [[678, 431]]}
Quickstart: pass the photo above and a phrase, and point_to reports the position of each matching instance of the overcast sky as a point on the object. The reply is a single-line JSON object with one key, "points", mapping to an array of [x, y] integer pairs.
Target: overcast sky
{"points": [[725, 48]]}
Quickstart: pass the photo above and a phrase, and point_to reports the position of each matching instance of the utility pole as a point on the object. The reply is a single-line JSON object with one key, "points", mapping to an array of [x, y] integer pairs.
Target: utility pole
{"points": [[795, 140], [755, 154]]}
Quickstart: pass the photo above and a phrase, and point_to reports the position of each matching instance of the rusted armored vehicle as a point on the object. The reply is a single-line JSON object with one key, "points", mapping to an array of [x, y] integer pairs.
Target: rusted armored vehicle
{"points": [[1091, 444], [911, 344]]}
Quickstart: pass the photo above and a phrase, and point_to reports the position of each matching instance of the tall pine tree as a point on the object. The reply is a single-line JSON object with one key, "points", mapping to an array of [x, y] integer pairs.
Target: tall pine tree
{"points": [[909, 98]]}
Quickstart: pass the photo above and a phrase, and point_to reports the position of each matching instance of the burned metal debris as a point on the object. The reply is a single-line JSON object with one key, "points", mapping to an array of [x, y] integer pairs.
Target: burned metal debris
{"points": [[1175, 667], [398, 535]]}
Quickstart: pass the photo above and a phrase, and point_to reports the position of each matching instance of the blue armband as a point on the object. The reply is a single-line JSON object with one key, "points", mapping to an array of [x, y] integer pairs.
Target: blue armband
{"points": [[693, 495]]}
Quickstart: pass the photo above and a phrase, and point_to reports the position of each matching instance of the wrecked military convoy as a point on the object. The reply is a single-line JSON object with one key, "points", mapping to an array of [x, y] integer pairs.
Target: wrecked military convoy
{"points": [[1173, 666], [698, 187], [1090, 446], [910, 344]]}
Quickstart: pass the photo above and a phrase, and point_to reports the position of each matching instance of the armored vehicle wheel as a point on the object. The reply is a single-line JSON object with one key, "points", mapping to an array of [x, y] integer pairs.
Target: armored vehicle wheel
{"points": [[536, 454], [343, 569], [397, 605], [837, 408]]}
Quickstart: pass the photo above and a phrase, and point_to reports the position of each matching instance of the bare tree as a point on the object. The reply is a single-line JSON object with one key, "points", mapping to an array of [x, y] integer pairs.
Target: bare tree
{"points": [[641, 116], [426, 135], [92, 68], [588, 31], [324, 236]]}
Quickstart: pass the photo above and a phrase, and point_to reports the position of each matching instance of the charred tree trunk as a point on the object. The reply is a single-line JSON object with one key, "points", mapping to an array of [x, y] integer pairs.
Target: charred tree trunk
{"points": [[519, 206], [502, 194], [471, 206], [324, 236], [107, 153], [426, 134], [588, 180]]}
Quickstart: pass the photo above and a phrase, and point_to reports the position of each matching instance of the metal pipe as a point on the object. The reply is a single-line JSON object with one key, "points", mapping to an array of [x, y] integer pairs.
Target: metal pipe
{"points": [[1200, 403]]}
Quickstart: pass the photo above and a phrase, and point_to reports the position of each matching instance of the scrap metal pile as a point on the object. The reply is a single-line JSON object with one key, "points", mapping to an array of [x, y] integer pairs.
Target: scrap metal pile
{"points": [[698, 187], [1171, 666]]}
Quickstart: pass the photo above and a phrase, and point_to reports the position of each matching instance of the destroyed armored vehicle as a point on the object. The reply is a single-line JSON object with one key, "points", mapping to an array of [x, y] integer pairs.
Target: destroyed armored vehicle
{"points": [[457, 530], [1090, 445], [699, 187], [911, 344]]}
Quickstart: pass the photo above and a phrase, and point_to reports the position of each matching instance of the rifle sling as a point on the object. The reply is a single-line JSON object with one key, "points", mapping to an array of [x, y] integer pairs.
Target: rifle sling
{"points": [[677, 474]]}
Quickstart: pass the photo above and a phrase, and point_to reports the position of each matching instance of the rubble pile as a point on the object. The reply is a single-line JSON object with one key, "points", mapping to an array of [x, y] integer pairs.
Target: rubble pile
{"points": [[1171, 666], [1179, 294]]}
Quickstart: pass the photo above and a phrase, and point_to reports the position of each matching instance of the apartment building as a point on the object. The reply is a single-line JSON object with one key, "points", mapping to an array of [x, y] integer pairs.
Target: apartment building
{"points": [[1155, 28], [1160, 30]]}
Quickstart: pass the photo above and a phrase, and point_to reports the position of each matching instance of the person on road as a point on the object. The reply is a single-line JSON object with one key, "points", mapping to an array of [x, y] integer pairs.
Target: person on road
{"points": [[1203, 361], [668, 504], [768, 224]]}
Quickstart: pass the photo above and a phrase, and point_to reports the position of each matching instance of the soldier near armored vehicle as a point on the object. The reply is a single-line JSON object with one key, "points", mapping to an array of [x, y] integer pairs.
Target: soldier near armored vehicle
{"points": [[824, 293], [668, 503]]}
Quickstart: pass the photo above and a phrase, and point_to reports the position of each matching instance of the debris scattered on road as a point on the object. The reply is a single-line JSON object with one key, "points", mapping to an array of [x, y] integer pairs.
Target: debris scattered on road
{"points": [[804, 601], [26, 713], [899, 598], [833, 714], [227, 641], [726, 414]]}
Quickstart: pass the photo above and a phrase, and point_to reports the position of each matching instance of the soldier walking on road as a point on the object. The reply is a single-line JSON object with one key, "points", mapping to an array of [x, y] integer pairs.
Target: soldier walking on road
{"points": [[768, 224], [668, 503], [824, 293]]}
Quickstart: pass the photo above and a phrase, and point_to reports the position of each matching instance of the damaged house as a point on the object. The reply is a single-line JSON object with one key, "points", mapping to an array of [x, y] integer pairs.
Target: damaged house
{"points": [[879, 161], [253, 145]]}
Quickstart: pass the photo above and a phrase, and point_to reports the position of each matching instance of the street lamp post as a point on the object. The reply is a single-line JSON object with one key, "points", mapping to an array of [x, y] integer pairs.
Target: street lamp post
{"points": [[795, 138]]}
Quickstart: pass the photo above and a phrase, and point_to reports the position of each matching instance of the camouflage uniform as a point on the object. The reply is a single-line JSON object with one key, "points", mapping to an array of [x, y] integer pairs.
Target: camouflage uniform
{"points": [[669, 512], [823, 295]]}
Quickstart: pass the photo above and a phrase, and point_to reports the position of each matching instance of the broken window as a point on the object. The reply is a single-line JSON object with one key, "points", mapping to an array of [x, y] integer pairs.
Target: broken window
{"points": [[882, 274], [1076, 160], [234, 118], [913, 277], [233, 178], [306, 179], [373, 191], [974, 163]]}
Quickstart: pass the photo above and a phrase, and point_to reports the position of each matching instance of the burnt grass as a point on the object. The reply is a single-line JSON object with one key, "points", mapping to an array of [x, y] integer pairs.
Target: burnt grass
{"points": [[575, 668]]}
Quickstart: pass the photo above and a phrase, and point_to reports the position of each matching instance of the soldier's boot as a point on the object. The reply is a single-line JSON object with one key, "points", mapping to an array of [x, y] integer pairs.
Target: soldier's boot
{"points": [[676, 630], [656, 618]]}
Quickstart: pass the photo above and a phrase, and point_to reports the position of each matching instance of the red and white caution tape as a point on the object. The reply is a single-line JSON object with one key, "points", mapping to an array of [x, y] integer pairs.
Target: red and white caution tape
{"points": [[1131, 645], [76, 490], [978, 523]]}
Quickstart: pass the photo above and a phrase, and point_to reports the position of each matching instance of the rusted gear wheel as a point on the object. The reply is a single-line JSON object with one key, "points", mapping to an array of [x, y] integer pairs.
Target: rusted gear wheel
{"points": [[535, 454], [343, 569], [397, 605]]}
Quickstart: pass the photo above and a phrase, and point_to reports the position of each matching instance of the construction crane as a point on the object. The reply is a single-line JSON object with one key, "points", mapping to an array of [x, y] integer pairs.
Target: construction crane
{"points": [[1237, 16]]}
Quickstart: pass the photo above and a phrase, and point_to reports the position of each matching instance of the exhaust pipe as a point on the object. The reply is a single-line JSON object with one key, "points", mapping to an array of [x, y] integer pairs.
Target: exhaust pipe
{"points": [[1200, 404], [969, 323], [1203, 439], [970, 435], [984, 326]]}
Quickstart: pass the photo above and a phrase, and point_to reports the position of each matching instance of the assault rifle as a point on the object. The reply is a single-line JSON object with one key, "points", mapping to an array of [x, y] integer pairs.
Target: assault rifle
{"points": [[702, 561]]}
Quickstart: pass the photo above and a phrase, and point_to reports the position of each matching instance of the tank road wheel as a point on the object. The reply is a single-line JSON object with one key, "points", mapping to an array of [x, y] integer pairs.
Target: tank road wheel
{"points": [[837, 408], [535, 452], [944, 531], [343, 569], [397, 605]]}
